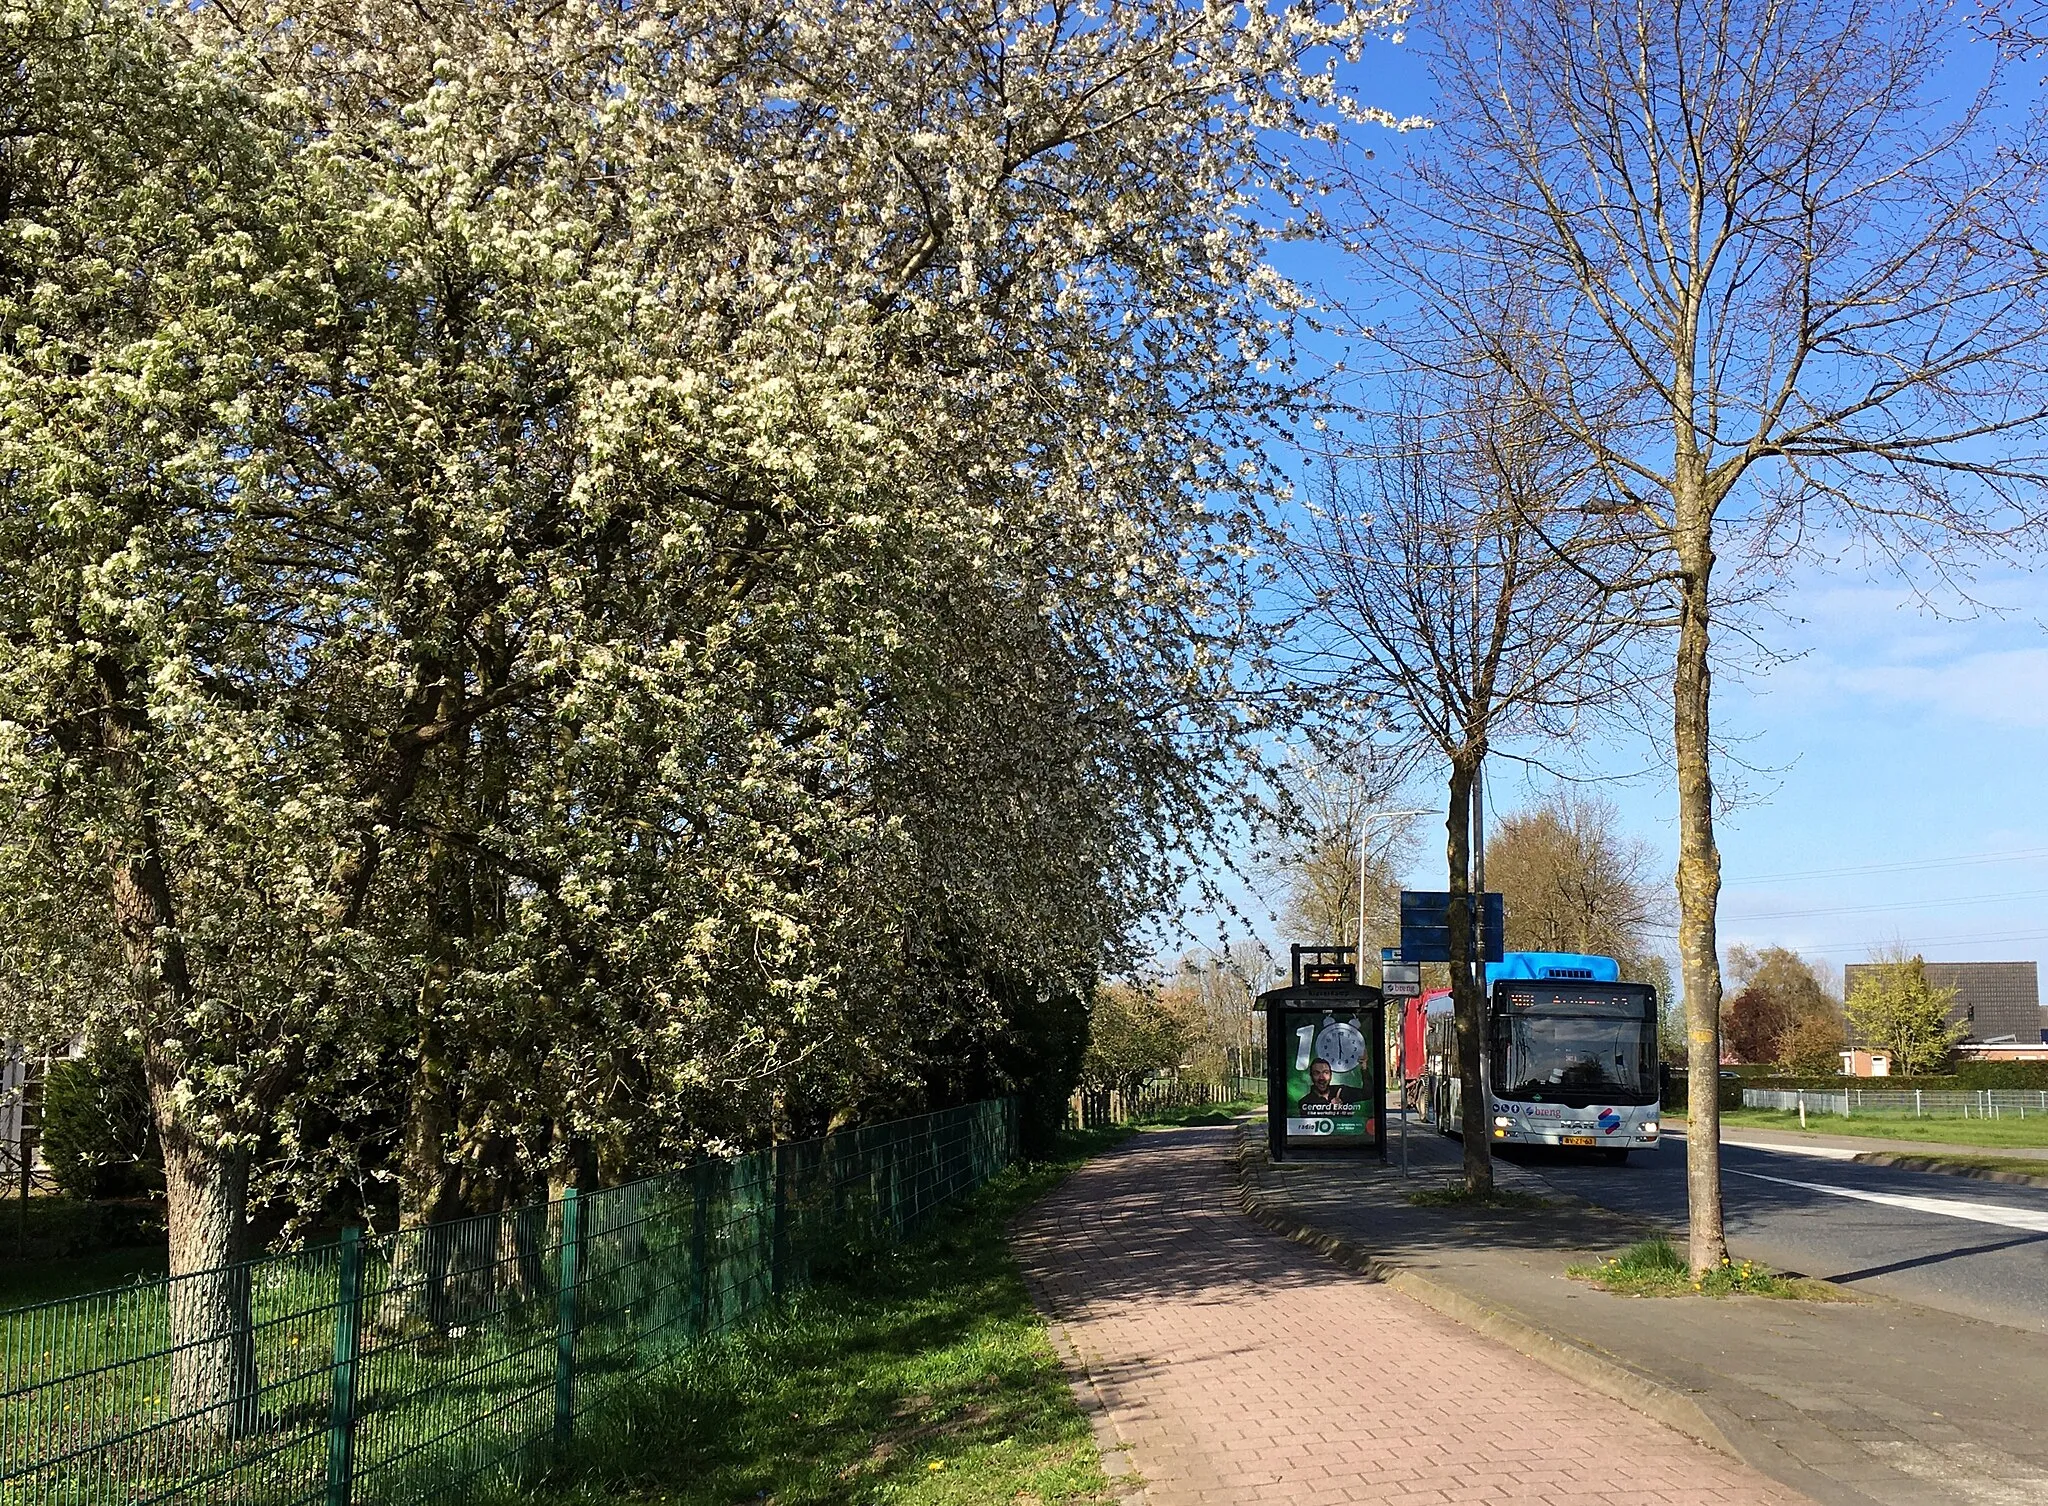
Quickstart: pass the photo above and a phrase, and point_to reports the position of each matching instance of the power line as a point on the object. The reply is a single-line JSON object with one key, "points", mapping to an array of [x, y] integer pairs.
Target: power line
{"points": [[1907, 867], [1896, 904], [1912, 941], [1921, 943]]}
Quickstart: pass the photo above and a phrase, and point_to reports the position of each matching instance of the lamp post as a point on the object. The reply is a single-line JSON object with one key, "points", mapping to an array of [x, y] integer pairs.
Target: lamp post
{"points": [[1365, 825]]}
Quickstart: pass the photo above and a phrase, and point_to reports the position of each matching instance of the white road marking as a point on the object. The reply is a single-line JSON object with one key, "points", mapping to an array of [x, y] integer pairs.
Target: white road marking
{"points": [[2008, 1215], [1824, 1152]]}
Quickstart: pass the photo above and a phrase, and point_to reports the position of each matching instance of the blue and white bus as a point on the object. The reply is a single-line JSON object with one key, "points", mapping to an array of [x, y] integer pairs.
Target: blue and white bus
{"points": [[1571, 1056]]}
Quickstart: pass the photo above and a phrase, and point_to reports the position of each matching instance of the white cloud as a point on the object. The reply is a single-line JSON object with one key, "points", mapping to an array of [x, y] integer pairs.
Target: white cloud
{"points": [[1998, 688], [1867, 648]]}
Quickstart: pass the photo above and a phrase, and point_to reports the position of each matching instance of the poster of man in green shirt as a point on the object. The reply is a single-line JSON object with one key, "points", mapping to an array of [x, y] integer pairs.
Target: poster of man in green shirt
{"points": [[1326, 1092]]}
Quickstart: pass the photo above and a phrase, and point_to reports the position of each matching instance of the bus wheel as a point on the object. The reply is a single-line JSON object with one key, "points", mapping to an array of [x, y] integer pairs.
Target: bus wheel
{"points": [[1615, 1157]]}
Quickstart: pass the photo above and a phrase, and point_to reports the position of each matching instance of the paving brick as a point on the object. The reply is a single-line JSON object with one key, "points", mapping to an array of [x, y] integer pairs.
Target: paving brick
{"points": [[1237, 1366]]}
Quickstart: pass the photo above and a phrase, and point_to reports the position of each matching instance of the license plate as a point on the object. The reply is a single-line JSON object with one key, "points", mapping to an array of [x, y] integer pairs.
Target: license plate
{"points": [[1578, 1140]]}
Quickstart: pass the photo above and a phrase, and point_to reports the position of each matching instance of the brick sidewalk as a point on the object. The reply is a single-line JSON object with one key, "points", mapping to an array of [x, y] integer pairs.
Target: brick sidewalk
{"points": [[1236, 1367]]}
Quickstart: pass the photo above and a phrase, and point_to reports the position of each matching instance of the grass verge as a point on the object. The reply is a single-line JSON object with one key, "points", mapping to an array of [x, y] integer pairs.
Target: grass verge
{"points": [[1964, 1164], [924, 1377], [2009, 1133], [1202, 1113], [1656, 1268]]}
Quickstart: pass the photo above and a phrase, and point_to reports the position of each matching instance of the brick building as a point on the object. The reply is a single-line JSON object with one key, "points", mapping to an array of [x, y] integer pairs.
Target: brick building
{"points": [[1997, 1000]]}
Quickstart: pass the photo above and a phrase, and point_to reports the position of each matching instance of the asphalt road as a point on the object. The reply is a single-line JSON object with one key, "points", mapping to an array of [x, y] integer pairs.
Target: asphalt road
{"points": [[1979, 1248]]}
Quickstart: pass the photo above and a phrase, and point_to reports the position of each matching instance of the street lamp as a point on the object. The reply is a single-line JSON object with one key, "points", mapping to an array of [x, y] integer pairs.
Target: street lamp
{"points": [[1365, 825]]}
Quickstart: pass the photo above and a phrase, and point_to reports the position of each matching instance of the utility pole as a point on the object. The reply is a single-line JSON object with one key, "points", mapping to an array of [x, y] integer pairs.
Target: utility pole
{"points": [[1479, 866]]}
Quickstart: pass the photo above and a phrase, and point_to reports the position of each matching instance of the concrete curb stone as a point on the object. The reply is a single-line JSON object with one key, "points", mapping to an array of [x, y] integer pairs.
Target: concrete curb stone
{"points": [[1907, 1162]]}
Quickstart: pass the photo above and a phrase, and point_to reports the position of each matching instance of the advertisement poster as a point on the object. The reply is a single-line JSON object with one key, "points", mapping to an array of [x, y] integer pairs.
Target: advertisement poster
{"points": [[1326, 1077]]}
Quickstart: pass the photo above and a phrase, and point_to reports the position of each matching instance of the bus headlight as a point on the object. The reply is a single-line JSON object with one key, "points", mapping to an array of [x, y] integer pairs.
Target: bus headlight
{"points": [[1502, 1122], [1647, 1127]]}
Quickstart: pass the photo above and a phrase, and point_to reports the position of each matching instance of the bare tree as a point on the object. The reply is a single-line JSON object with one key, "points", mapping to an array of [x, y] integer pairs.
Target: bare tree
{"points": [[1751, 262], [1216, 989], [1574, 881], [1332, 808], [2018, 30], [1444, 587]]}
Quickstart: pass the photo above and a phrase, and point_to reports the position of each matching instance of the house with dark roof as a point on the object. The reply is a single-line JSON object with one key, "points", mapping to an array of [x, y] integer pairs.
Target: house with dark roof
{"points": [[1997, 1001]]}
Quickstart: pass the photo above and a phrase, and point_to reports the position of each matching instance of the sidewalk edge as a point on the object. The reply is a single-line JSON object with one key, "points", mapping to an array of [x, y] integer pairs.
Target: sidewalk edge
{"points": [[1125, 1481], [1697, 1417]]}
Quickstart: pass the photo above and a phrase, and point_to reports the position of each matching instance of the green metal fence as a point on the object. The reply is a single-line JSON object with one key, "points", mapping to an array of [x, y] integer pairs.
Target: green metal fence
{"points": [[396, 1368]]}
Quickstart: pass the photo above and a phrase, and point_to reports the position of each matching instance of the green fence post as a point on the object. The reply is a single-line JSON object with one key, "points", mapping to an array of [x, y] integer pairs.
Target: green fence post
{"points": [[348, 1341], [896, 1180], [565, 1317], [700, 1240], [778, 1237]]}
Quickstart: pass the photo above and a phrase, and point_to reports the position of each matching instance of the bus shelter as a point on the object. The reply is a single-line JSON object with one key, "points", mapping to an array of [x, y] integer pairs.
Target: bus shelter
{"points": [[1326, 1061]]}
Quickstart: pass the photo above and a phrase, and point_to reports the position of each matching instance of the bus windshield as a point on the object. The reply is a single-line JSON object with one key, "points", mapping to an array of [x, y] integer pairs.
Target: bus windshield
{"points": [[1576, 1045]]}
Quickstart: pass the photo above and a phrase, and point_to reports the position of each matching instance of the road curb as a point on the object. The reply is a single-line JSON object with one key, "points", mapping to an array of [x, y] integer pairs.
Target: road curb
{"points": [[1904, 1161], [1597, 1372], [1124, 1480]]}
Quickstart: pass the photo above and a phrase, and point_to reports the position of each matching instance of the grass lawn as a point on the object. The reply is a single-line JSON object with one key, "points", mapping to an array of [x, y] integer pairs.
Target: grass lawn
{"points": [[1206, 1113], [925, 1376], [2008, 1132], [75, 1247], [1655, 1268]]}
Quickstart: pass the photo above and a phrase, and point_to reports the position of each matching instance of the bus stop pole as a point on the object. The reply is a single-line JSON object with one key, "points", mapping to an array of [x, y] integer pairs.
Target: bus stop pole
{"points": [[1401, 1065]]}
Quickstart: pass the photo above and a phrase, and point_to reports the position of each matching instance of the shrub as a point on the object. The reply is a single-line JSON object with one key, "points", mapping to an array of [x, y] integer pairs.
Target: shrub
{"points": [[1834, 1082], [1895, 1009], [2028, 1075], [1812, 1044], [1677, 1094], [97, 1134]]}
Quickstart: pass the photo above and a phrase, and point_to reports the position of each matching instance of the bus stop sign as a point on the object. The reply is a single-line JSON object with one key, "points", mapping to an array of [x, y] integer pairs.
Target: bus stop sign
{"points": [[1426, 926], [1401, 980]]}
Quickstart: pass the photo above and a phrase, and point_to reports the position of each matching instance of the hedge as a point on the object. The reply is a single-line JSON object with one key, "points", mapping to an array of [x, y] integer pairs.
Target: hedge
{"points": [[2030, 1076], [1677, 1092], [98, 1137]]}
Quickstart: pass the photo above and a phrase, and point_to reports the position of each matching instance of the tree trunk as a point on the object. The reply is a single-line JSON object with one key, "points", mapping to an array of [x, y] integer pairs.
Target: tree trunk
{"points": [[213, 1359], [1699, 890], [427, 1193], [426, 1181], [1467, 997], [206, 1184]]}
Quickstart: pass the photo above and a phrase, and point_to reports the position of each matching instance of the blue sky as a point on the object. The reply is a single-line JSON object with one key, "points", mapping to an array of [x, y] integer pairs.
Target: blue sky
{"points": [[1892, 783], [1892, 755]]}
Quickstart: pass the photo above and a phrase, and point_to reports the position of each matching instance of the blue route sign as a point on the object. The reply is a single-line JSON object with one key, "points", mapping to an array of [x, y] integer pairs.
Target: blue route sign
{"points": [[1426, 926]]}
